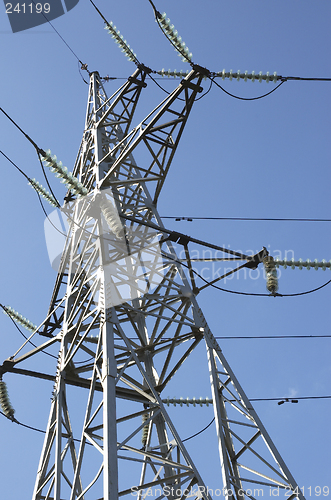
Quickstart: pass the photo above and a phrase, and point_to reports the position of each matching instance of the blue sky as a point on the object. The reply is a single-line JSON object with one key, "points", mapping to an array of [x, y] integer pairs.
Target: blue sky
{"points": [[264, 158]]}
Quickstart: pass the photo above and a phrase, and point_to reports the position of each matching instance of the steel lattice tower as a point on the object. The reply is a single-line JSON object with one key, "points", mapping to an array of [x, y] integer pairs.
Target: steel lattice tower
{"points": [[137, 339]]}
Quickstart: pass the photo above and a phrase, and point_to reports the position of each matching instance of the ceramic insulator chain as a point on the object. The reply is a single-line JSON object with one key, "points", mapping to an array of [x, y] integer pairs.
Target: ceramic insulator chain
{"points": [[188, 401], [172, 34], [174, 73], [145, 429], [6, 406], [43, 192], [116, 35], [62, 172], [271, 273], [112, 218], [20, 319], [248, 76], [315, 264]]}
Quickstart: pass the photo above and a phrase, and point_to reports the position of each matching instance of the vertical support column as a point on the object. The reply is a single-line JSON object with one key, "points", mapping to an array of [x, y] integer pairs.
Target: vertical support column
{"points": [[58, 438], [218, 422], [109, 372], [269, 469]]}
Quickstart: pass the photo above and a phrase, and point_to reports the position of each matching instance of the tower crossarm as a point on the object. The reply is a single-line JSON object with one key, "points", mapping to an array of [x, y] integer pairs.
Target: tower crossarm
{"points": [[110, 118], [159, 133]]}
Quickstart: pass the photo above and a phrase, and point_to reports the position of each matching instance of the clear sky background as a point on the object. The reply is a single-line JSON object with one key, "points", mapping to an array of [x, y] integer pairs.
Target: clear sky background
{"points": [[266, 158]]}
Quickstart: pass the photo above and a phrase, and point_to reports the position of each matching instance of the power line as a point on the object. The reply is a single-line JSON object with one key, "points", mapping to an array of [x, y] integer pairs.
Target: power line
{"points": [[280, 401], [246, 293], [23, 335], [14, 164], [171, 34], [299, 398], [192, 218], [15, 421], [248, 98], [200, 432], [176, 217], [179, 235], [207, 401], [314, 79], [83, 66], [31, 181], [20, 129], [28, 178], [273, 337], [118, 38]]}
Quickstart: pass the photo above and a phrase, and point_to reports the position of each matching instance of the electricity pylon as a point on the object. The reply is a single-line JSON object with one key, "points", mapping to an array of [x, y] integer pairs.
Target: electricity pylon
{"points": [[123, 300]]}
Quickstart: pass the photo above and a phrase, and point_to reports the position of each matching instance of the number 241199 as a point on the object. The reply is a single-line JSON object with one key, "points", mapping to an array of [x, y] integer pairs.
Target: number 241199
{"points": [[39, 7]]}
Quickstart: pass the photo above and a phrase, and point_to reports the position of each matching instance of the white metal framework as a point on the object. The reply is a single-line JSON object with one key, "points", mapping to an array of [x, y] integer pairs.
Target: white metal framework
{"points": [[123, 301]]}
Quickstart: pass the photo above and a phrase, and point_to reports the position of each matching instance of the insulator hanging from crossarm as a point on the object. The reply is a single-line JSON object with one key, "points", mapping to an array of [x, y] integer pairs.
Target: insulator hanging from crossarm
{"points": [[174, 73], [271, 274], [60, 171], [112, 218], [172, 34], [5, 404], [43, 192], [144, 435], [116, 35], [237, 75], [188, 401], [16, 316], [300, 264]]}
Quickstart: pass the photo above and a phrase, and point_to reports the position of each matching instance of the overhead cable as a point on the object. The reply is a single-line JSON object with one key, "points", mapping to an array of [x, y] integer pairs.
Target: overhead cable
{"points": [[248, 98], [172, 35], [118, 38], [250, 337], [28, 325], [246, 293], [40, 190], [192, 218], [83, 65], [55, 166], [195, 402], [26, 338], [280, 401]]}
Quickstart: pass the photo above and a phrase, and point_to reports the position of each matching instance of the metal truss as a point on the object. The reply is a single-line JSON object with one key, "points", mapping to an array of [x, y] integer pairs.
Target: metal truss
{"points": [[126, 318]]}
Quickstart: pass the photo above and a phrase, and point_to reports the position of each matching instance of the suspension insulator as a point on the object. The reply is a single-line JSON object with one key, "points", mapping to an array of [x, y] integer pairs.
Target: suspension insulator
{"points": [[174, 73], [300, 264], [112, 218], [6, 406], [43, 192], [62, 172], [249, 76], [124, 46], [271, 274], [172, 34], [20, 319], [188, 401], [145, 429]]}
